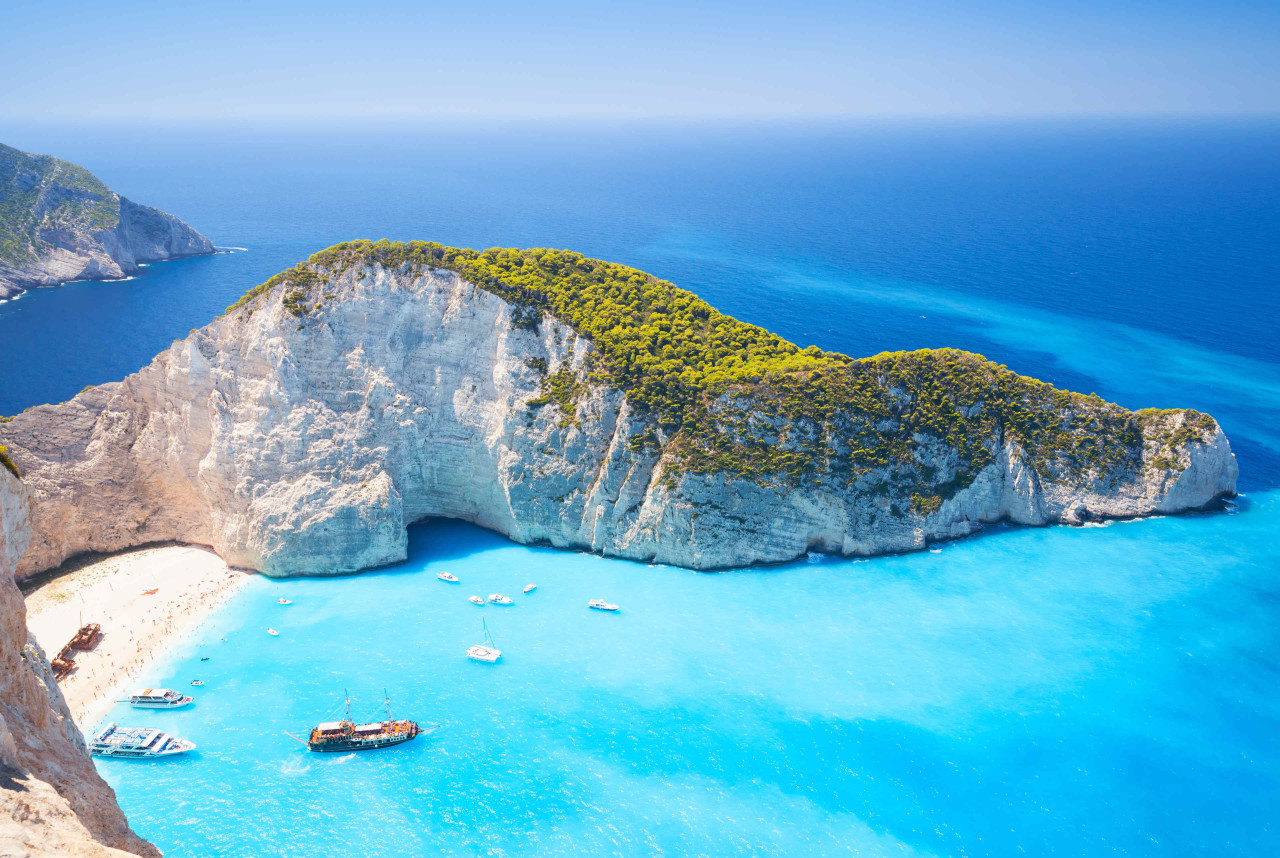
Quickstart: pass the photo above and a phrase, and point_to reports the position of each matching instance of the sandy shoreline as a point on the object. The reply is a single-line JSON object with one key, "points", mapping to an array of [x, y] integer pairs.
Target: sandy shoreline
{"points": [[137, 627]]}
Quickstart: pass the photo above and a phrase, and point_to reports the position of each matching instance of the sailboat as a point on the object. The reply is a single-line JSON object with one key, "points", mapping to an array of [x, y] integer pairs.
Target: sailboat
{"points": [[346, 735], [487, 651]]}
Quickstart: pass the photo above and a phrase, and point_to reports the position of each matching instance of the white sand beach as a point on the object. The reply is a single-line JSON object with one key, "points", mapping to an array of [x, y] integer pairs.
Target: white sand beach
{"points": [[138, 625]]}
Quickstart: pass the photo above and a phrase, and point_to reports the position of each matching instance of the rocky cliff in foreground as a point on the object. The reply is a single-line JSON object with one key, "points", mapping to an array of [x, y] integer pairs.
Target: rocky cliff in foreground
{"points": [[563, 400], [52, 800], [58, 222]]}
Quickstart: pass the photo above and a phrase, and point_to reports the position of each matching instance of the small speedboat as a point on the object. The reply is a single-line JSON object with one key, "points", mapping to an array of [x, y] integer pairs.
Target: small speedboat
{"points": [[273, 633], [499, 599], [284, 601], [602, 605], [529, 588], [197, 682], [448, 576], [475, 600]]}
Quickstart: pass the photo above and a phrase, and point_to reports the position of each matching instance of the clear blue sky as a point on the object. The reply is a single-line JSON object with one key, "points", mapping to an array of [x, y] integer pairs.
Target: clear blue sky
{"points": [[132, 59]]}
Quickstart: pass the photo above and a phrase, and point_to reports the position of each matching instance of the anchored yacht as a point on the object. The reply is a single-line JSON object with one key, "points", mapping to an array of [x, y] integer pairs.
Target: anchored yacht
{"points": [[499, 599], [157, 698], [448, 576], [529, 588], [486, 651], [602, 605], [113, 741]]}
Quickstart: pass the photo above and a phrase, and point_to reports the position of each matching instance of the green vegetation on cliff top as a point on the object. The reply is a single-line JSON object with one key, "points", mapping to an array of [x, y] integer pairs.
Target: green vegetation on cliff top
{"points": [[41, 192], [729, 397]]}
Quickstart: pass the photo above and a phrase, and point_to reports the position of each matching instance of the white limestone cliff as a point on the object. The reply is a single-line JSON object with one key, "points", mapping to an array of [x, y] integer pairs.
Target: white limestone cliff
{"points": [[52, 800], [304, 444]]}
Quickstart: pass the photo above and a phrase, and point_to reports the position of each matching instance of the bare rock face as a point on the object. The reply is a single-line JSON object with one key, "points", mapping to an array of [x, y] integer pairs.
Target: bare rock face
{"points": [[303, 439], [58, 223], [52, 800]]}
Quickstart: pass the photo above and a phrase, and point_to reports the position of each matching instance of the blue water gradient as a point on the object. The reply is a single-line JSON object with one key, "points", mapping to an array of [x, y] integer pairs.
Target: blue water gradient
{"points": [[1096, 691]]}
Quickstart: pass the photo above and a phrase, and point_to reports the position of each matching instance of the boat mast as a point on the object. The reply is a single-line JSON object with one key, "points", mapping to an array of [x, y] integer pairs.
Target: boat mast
{"points": [[347, 695], [387, 698]]}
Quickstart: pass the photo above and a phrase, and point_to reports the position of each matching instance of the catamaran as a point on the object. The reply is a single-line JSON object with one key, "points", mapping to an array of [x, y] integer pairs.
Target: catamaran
{"points": [[113, 741], [157, 698], [346, 735], [486, 652]]}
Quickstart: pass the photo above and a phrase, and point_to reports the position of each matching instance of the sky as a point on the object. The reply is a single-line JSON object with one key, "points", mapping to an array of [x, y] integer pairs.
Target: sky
{"points": [[389, 59]]}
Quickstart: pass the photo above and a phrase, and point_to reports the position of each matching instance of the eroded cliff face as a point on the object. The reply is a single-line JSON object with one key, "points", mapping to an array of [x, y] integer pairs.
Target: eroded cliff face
{"points": [[59, 223], [303, 439], [52, 800]]}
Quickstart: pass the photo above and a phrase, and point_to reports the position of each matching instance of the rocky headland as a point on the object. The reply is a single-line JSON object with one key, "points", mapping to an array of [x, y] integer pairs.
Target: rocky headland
{"points": [[564, 400], [58, 223]]}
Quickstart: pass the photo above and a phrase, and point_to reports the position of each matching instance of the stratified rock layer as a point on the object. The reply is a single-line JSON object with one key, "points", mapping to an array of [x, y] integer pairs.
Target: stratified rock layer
{"points": [[58, 223], [303, 438], [52, 800]]}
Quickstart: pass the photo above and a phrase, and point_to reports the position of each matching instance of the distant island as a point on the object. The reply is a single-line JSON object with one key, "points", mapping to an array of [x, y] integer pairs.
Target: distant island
{"points": [[59, 223], [564, 400]]}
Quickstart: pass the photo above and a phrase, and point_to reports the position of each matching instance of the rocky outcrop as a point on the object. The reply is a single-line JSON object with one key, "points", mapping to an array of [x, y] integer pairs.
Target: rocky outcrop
{"points": [[52, 800], [58, 223], [303, 431]]}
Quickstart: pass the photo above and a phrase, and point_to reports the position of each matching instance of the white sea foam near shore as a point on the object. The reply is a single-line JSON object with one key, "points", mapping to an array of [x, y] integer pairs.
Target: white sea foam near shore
{"points": [[138, 626]]}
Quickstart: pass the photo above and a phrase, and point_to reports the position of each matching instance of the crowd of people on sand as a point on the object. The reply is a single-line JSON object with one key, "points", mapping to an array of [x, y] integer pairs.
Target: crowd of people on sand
{"points": [[132, 639]]}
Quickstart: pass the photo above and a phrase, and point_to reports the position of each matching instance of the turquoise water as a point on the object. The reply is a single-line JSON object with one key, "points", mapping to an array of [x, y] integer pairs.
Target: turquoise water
{"points": [[1100, 691]]}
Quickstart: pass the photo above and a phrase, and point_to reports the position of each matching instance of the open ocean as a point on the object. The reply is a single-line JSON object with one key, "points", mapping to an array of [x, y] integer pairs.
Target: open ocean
{"points": [[1076, 692]]}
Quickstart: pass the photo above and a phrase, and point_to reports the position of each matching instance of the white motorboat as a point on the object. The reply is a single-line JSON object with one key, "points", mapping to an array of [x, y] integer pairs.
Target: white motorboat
{"points": [[499, 599], [113, 741], [529, 588], [448, 576], [273, 633], [157, 698], [602, 605], [283, 601], [475, 600], [486, 651]]}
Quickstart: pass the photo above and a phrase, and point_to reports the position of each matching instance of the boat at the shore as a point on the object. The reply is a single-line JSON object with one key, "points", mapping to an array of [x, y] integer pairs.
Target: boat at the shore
{"points": [[529, 588], [87, 637], [499, 599], [448, 576], [136, 742], [602, 605], [486, 651], [346, 735], [157, 698]]}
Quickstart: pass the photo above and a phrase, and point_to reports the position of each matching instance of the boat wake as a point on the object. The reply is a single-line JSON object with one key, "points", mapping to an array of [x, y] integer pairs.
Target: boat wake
{"points": [[345, 758], [293, 768], [230, 249]]}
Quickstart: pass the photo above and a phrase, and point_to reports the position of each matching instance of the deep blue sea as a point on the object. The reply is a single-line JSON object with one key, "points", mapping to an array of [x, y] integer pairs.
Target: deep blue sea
{"points": [[1070, 692]]}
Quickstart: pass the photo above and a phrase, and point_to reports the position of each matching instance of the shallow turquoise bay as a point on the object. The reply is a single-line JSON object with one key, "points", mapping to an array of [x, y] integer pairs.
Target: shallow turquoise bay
{"points": [[1064, 691]]}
